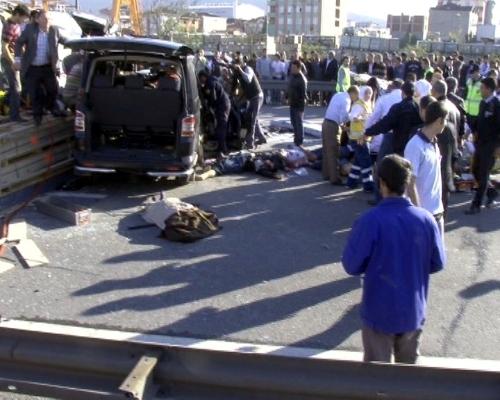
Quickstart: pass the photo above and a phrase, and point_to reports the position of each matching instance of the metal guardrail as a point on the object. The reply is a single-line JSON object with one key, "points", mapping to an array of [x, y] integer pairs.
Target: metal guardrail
{"points": [[313, 86], [82, 363]]}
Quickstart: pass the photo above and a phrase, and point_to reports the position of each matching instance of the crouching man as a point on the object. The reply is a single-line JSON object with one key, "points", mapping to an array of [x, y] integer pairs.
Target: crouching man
{"points": [[396, 246]]}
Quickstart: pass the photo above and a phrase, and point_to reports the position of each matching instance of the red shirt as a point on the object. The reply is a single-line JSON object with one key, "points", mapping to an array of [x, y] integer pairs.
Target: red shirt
{"points": [[10, 33]]}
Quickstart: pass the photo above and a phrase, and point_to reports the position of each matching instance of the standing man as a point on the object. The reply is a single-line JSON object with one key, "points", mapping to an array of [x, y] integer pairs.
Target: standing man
{"points": [[379, 144], [255, 96], [330, 69], [398, 68], [447, 141], [396, 246], [337, 115], [414, 66], [36, 57], [344, 78], [473, 98], [263, 69], [459, 103], [297, 97], [402, 119], [10, 34], [426, 187], [218, 100], [487, 141]]}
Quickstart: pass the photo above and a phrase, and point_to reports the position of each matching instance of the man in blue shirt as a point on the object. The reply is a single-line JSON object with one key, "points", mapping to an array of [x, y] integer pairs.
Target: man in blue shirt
{"points": [[396, 246]]}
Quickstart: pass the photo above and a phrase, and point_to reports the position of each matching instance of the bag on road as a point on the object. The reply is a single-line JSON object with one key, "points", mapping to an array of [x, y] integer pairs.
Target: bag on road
{"points": [[188, 226]]}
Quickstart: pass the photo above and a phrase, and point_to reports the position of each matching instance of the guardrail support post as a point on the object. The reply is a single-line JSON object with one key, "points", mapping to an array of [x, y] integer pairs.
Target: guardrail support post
{"points": [[138, 385]]}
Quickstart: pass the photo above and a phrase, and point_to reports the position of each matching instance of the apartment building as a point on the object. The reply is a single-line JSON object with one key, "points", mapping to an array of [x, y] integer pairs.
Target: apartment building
{"points": [[306, 17]]}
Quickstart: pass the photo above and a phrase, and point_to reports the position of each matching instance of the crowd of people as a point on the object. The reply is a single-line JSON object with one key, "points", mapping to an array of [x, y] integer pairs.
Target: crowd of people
{"points": [[30, 64], [409, 136]]}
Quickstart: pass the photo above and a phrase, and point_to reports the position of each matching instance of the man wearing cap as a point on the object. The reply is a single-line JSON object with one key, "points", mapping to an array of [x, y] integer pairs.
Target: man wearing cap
{"points": [[473, 97], [487, 142]]}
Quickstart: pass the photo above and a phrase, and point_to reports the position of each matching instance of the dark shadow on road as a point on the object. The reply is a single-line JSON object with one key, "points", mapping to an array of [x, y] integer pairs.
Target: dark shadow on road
{"points": [[221, 323], [487, 221], [266, 236], [480, 289]]}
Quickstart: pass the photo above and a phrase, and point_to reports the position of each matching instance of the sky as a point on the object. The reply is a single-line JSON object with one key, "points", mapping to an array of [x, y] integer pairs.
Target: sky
{"points": [[376, 8], [381, 8]]}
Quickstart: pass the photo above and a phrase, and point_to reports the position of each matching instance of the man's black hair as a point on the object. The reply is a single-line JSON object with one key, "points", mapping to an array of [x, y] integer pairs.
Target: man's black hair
{"points": [[21, 10], [203, 73], [489, 83], [428, 76], [434, 112], [411, 76], [397, 83], [395, 171], [426, 101], [408, 89]]}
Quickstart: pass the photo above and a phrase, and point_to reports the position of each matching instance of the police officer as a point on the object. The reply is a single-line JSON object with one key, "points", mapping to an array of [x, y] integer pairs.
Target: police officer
{"points": [[218, 100], [487, 141], [473, 98]]}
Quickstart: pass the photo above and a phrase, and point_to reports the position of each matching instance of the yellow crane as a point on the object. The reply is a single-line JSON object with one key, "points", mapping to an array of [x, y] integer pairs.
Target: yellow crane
{"points": [[134, 11], [45, 4]]}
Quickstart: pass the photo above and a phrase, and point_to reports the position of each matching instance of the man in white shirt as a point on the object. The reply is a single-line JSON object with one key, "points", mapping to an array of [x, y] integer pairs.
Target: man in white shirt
{"points": [[336, 116], [422, 151], [382, 107], [277, 70]]}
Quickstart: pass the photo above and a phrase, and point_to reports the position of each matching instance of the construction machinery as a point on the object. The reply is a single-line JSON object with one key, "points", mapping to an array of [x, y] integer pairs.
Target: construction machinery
{"points": [[134, 11]]}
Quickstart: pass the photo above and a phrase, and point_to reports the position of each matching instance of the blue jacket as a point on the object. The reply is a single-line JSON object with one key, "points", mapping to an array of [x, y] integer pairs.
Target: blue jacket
{"points": [[396, 246]]}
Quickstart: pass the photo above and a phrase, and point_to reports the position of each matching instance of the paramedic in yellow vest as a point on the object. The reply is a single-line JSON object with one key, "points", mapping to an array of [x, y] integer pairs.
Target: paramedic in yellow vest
{"points": [[361, 169], [344, 78], [473, 98]]}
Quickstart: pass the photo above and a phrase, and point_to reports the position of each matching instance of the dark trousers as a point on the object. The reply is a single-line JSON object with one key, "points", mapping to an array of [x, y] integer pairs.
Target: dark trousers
{"points": [[331, 135], [42, 87], [222, 120], [380, 347], [361, 167], [254, 106], [483, 163], [297, 119], [386, 148]]}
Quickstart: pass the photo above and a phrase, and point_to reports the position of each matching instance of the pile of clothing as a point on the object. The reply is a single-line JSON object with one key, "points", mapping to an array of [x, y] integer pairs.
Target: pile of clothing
{"points": [[180, 221], [271, 164]]}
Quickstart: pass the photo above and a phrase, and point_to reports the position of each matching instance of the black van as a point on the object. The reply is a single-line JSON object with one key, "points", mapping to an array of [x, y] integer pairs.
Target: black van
{"points": [[138, 109]]}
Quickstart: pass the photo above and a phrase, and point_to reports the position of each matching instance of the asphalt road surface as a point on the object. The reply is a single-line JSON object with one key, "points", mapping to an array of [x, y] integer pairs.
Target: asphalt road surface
{"points": [[272, 275]]}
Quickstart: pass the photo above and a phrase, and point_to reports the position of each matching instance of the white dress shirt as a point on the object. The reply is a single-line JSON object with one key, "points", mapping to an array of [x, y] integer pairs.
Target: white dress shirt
{"points": [[339, 107], [382, 107]]}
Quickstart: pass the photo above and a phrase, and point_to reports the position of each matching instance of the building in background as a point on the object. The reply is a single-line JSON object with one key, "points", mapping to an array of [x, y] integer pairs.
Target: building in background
{"points": [[306, 17], [227, 9], [452, 22], [402, 26], [478, 6]]}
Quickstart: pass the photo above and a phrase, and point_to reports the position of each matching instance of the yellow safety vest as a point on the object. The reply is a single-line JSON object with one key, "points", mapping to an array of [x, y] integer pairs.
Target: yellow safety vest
{"points": [[346, 82], [473, 99], [358, 127]]}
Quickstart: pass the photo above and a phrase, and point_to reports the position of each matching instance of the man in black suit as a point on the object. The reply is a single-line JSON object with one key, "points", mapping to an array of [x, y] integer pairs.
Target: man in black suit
{"points": [[330, 68], [36, 58], [487, 143]]}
